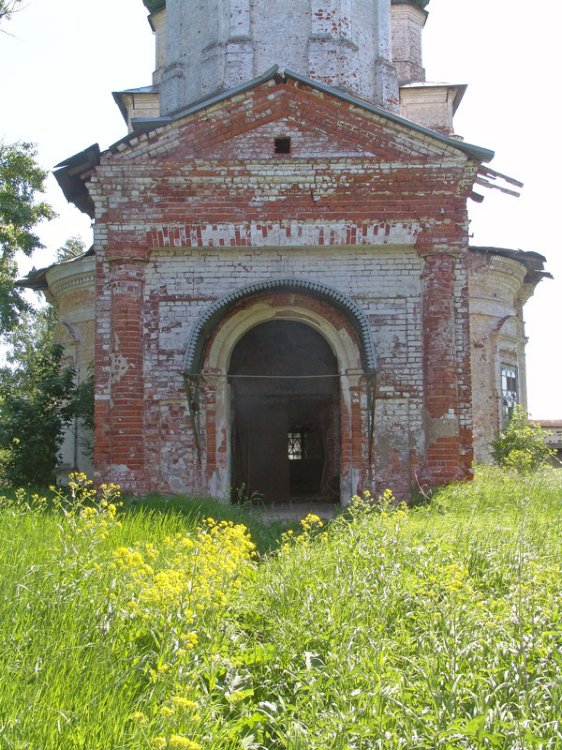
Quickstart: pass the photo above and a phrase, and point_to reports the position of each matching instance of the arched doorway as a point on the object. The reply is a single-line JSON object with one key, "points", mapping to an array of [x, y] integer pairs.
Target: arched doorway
{"points": [[285, 414], [337, 320]]}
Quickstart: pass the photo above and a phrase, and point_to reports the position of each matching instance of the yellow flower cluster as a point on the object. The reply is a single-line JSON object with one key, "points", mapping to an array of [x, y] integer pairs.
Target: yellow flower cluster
{"points": [[178, 742], [182, 703], [310, 522], [186, 574], [138, 717], [452, 578], [386, 505], [89, 510], [310, 526]]}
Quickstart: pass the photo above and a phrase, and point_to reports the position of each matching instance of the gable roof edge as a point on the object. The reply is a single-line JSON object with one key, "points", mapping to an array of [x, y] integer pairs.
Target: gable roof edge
{"points": [[143, 124], [478, 153]]}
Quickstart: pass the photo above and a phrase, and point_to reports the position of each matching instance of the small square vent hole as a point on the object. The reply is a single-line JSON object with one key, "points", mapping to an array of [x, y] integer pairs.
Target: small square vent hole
{"points": [[282, 145]]}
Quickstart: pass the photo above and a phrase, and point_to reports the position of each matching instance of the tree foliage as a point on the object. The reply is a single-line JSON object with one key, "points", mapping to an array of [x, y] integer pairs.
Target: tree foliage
{"points": [[72, 248], [20, 181], [7, 7], [521, 445], [37, 400]]}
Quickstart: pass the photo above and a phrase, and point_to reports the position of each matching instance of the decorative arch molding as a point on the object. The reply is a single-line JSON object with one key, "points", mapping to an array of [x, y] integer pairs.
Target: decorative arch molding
{"points": [[334, 316], [509, 326], [71, 330], [211, 317]]}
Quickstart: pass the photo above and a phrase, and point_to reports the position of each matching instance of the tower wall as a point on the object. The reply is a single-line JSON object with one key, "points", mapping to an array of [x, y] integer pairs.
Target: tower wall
{"points": [[214, 45]]}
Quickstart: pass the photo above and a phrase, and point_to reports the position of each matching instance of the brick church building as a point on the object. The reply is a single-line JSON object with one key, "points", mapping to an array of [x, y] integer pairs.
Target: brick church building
{"points": [[281, 296]]}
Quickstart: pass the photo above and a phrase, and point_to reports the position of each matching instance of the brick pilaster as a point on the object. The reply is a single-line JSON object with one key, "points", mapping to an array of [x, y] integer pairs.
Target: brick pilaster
{"points": [[123, 453], [441, 400]]}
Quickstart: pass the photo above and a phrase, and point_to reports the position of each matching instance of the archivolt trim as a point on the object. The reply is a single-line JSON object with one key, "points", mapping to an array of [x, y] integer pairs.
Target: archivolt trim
{"points": [[205, 326]]}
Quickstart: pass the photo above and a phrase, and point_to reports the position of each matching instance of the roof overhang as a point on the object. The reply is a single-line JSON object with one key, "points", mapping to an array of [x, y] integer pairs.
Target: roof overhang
{"points": [[36, 279], [533, 262], [71, 174], [153, 6]]}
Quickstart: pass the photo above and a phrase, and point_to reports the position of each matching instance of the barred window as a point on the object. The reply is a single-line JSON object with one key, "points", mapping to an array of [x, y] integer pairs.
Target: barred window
{"points": [[510, 391], [296, 446]]}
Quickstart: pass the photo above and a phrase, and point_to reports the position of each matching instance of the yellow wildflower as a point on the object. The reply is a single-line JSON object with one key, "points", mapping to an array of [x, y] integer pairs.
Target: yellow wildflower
{"points": [[178, 742], [138, 717], [190, 639], [184, 704], [311, 520]]}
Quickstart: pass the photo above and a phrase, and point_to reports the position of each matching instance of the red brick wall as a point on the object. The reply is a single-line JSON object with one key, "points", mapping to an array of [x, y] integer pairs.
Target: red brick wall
{"points": [[198, 208]]}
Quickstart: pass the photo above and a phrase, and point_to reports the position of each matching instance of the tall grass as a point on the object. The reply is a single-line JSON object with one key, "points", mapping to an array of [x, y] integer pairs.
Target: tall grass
{"points": [[438, 627]]}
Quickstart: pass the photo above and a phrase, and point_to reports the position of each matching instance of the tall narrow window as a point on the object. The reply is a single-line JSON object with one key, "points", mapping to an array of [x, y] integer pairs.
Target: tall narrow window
{"points": [[296, 447], [510, 392]]}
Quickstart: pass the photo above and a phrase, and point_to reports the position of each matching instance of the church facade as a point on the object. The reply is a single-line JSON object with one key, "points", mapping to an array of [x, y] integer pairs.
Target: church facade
{"points": [[281, 297]]}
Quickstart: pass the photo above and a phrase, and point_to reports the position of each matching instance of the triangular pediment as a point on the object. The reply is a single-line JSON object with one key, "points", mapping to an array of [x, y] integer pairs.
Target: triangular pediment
{"points": [[321, 122], [243, 124]]}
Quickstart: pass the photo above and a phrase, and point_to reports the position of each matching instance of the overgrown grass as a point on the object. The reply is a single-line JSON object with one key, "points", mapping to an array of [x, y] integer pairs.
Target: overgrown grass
{"points": [[438, 627], [192, 510]]}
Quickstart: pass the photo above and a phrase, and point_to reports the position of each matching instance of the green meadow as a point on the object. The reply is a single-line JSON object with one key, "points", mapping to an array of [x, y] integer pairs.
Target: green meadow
{"points": [[132, 625]]}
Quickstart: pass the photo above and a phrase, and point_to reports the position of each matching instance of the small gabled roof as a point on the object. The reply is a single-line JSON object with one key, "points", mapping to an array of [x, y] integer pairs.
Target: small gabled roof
{"points": [[118, 97], [458, 88]]}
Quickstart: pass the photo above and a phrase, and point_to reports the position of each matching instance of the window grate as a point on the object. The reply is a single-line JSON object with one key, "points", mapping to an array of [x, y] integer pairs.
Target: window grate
{"points": [[296, 448], [510, 392]]}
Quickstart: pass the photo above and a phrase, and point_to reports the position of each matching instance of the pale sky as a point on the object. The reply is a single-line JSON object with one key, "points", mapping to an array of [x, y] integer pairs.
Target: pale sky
{"points": [[61, 59]]}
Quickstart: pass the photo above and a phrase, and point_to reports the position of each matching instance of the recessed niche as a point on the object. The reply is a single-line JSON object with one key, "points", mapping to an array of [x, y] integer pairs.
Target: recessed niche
{"points": [[282, 145]]}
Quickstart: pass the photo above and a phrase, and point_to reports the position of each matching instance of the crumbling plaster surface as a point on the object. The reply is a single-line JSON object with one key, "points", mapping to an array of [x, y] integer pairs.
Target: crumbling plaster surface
{"points": [[497, 337], [204, 207], [71, 288], [212, 46], [384, 282]]}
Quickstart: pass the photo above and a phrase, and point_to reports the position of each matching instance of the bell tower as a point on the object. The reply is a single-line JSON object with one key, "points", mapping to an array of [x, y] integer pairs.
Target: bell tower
{"points": [[212, 46]]}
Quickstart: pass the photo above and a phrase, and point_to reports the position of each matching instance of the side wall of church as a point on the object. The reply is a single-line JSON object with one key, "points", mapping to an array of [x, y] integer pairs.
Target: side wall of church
{"points": [[497, 340], [191, 213], [71, 286]]}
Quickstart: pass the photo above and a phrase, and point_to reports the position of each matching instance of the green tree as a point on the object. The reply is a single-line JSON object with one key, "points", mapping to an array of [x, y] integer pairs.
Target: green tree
{"points": [[20, 180], [72, 248], [37, 401], [7, 7], [521, 445]]}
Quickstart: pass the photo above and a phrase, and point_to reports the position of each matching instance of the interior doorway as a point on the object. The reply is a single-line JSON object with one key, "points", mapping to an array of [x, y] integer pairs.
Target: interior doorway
{"points": [[285, 407]]}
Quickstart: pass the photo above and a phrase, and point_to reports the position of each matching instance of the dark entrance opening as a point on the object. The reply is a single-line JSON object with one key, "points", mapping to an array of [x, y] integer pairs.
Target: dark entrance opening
{"points": [[285, 415]]}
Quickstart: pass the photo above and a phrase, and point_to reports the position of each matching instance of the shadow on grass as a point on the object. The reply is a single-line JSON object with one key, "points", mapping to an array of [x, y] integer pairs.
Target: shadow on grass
{"points": [[265, 533], [189, 511]]}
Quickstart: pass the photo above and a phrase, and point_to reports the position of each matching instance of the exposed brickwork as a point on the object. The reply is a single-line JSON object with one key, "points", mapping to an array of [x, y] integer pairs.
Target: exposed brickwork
{"points": [[203, 206]]}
